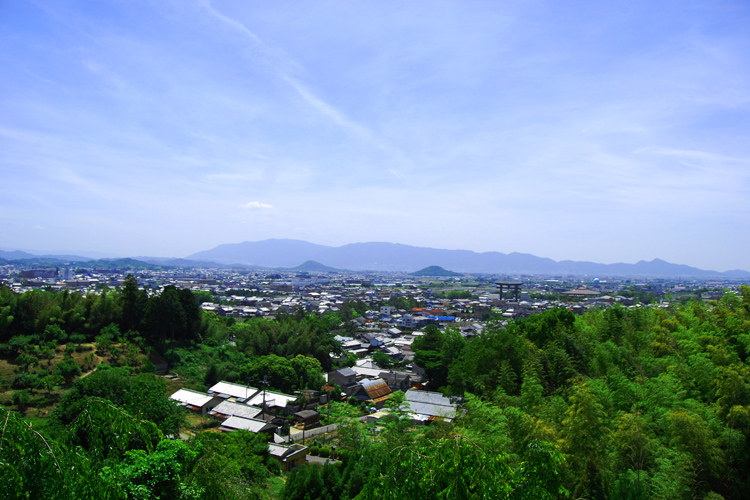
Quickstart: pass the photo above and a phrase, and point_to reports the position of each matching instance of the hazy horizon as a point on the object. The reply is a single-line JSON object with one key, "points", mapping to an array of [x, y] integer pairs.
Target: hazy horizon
{"points": [[100, 255], [580, 131]]}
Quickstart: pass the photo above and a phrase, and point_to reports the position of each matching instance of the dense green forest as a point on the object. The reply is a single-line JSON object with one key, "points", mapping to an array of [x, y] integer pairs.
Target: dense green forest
{"points": [[618, 403]]}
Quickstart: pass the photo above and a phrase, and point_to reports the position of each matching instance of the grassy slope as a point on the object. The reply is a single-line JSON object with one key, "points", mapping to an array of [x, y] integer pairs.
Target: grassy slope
{"points": [[43, 402]]}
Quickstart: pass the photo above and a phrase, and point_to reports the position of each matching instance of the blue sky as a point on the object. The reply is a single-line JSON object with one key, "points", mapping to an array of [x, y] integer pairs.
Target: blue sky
{"points": [[610, 132]]}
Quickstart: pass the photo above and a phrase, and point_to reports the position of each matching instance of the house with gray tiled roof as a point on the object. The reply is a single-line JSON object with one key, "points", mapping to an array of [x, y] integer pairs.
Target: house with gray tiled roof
{"points": [[227, 409], [248, 424]]}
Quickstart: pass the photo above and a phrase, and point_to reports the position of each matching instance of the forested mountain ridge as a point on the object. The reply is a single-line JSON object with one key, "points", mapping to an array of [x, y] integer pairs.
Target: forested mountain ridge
{"points": [[617, 403], [434, 271], [379, 256], [375, 256]]}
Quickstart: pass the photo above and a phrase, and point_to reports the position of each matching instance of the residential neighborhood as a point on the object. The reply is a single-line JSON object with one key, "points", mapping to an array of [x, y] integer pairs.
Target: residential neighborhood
{"points": [[307, 364]]}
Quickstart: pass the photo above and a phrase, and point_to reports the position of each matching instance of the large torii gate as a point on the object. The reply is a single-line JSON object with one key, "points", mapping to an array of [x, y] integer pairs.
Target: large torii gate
{"points": [[509, 286]]}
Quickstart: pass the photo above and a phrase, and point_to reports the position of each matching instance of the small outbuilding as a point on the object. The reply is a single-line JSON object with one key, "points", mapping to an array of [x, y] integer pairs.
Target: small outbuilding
{"points": [[306, 419], [290, 456]]}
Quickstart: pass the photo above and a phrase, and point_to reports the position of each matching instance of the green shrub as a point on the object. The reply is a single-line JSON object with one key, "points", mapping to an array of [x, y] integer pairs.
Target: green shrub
{"points": [[21, 400], [77, 338], [208, 425], [25, 381], [68, 369], [344, 455], [18, 342]]}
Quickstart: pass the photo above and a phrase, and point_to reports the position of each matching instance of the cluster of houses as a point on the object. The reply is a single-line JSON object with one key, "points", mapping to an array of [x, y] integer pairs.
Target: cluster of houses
{"points": [[240, 407], [263, 412], [374, 391], [396, 342], [253, 293], [323, 296], [432, 310]]}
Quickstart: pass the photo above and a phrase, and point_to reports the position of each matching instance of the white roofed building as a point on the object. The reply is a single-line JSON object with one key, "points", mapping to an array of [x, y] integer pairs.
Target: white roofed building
{"points": [[426, 406], [195, 401], [274, 401], [230, 391], [227, 409], [248, 424]]}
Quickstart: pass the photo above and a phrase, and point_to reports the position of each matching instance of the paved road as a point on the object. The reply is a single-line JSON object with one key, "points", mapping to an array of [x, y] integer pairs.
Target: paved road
{"points": [[319, 460]]}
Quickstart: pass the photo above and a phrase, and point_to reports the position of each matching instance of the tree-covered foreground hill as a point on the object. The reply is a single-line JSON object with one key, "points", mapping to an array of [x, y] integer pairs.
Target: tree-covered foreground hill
{"points": [[617, 403], [642, 403]]}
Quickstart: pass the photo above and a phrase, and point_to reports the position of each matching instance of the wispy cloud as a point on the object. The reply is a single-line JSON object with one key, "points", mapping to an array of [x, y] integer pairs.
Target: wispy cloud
{"points": [[285, 67], [520, 126], [692, 154], [256, 205], [329, 111], [273, 58]]}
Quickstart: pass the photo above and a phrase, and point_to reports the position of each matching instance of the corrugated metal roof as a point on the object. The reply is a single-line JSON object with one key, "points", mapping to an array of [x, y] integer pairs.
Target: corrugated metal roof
{"points": [[272, 399], [192, 398], [376, 388], [248, 424], [231, 409], [430, 397], [236, 390], [431, 410]]}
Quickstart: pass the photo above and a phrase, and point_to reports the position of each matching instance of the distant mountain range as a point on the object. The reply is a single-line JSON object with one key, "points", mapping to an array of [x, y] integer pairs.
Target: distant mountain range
{"points": [[54, 260], [20, 255], [31, 260], [275, 253], [170, 262], [387, 257]]}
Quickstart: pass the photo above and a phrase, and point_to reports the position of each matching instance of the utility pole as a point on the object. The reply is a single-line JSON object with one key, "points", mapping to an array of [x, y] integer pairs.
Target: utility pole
{"points": [[263, 408]]}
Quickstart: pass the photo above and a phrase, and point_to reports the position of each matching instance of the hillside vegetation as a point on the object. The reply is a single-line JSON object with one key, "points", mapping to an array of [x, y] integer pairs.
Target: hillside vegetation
{"points": [[434, 271], [617, 403]]}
